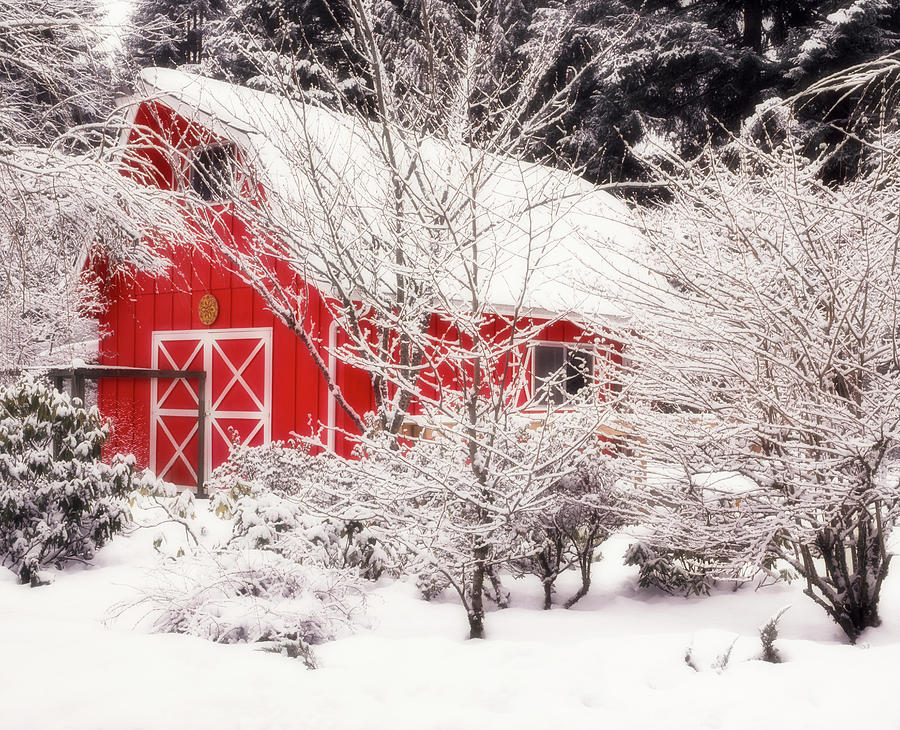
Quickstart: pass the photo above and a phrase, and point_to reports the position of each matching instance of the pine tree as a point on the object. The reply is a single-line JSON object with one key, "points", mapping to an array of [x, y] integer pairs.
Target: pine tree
{"points": [[685, 73], [672, 72], [170, 33], [50, 75]]}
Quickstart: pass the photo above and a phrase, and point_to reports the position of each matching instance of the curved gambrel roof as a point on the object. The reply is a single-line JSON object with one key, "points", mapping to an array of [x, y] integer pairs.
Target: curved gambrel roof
{"points": [[541, 240]]}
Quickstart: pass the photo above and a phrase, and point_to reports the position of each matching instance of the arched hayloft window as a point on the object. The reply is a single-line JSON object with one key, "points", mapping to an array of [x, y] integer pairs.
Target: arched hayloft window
{"points": [[212, 171]]}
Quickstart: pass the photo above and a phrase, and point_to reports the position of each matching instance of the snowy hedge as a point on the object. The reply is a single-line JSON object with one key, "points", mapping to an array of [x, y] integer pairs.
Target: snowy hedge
{"points": [[58, 501], [288, 576]]}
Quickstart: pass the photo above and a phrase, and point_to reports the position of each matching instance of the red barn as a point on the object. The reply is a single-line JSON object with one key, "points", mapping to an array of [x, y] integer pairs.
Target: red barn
{"points": [[262, 383]]}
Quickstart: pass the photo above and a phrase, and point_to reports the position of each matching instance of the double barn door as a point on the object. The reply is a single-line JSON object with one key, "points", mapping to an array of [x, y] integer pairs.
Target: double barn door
{"points": [[238, 398]]}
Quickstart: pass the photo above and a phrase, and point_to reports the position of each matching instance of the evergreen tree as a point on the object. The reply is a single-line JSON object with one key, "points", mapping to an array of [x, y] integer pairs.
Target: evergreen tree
{"points": [[51, 77], [677, 73], [687, 72], [850, 33], [170, 33], [295, 47]]}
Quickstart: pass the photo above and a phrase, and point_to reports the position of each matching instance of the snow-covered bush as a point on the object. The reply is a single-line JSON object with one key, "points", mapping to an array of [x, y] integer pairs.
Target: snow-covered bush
{"points": [[695, 567], [583, 514], [153, 491], [674, 571], [282, 467], [264, 520], [58, 500], [463, 517], [283, 498], [252, 595], [289, 574]]}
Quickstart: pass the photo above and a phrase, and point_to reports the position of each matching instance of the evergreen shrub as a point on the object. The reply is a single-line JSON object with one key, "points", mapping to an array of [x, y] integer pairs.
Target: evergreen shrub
{"points": [[58, 501]]}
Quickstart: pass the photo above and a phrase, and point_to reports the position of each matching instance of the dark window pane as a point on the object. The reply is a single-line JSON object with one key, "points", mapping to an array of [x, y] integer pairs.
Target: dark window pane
{"points": [[549, 371], [579, 370], [211, 171]]}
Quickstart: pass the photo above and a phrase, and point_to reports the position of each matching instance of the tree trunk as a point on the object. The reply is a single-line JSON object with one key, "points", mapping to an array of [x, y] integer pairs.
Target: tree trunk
{"points": [[585, 585], [585, 561], [849, 590], [858, 610], [548, 593], [498, 596], [476, 603], [753, 17]]}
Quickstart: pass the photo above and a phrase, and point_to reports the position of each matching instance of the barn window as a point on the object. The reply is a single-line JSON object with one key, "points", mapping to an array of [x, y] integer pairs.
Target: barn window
{"points": [[560, 372], [212, 171]]}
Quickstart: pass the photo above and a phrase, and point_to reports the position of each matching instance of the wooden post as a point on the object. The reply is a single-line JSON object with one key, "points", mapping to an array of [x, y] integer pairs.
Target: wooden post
{"points": [[201, 434], [77, 389], [77, 376]]}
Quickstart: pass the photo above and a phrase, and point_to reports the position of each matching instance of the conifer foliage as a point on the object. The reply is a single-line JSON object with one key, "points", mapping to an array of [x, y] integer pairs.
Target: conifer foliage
{"points": [[681, 72]]}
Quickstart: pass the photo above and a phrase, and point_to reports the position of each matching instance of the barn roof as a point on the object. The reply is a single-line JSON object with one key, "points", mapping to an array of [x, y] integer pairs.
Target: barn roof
{"points": [[546, 241]]}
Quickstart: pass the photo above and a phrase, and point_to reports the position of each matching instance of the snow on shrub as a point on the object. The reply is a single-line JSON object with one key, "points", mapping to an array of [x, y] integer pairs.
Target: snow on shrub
{"points": [[581, 514], [463, 513], [666, 563], [273, 522], [150, 490], [286, 468], [58, 501], [674, 571], [283, 498], [288, 577], [252, 595]]}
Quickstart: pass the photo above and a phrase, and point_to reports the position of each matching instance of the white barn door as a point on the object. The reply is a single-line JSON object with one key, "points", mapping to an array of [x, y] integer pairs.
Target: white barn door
{"points": [[238, 365]]}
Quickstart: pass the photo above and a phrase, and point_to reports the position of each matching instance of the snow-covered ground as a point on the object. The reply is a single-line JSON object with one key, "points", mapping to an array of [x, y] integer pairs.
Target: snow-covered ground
{"points": [[616, 661]]}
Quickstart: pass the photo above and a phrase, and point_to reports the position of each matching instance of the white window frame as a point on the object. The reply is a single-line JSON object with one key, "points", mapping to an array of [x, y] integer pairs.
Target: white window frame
{"points": [[588, 349]]}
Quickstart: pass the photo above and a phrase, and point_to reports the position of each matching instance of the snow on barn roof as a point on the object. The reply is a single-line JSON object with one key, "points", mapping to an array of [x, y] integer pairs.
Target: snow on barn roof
{"points": [[546, 241]]}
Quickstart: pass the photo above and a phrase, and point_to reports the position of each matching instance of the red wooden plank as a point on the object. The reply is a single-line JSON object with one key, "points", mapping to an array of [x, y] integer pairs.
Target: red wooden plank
{"points": [[200, 271], [262, 316], [121, 413], [140, 424], [284, 358], [182, 310], [162, 312], [241, 307], [164, 284]]}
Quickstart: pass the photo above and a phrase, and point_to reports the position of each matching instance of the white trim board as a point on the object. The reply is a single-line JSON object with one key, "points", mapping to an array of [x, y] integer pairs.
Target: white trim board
{"points": [[208, 346]]}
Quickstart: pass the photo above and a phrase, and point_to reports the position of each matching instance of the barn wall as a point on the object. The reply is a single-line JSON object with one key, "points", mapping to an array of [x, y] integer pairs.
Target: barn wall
{"points": [[140, 304]]}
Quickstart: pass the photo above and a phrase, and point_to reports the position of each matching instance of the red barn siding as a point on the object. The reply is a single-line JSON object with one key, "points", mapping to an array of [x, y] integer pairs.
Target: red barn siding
{"points": [[142, 305]]}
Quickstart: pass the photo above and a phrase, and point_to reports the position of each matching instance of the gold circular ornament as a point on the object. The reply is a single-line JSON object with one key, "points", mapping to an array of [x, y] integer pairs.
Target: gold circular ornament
{"points": [[208, 309]]}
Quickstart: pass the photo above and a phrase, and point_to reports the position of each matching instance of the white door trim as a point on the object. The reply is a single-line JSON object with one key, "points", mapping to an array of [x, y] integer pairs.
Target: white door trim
{"points": [[207, 342]]}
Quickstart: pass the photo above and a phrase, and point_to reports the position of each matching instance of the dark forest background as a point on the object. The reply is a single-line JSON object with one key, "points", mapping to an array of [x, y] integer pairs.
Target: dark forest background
{"points": [[664, 75]]}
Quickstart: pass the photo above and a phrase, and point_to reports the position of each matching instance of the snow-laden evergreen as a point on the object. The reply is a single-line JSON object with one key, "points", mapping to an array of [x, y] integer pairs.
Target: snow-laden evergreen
{"points": [[59, 501]]}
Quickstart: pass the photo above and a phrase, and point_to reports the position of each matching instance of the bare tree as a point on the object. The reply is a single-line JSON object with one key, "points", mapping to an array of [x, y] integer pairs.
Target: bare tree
{"points": [[441, 257], [766, 381], [60, 198]]}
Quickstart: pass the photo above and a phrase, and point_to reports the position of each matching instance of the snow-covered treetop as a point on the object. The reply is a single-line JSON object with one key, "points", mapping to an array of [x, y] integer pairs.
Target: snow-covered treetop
{"points": [[546, 240]]}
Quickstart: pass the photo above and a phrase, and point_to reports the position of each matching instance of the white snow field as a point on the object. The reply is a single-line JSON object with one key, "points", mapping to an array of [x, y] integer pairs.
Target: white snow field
{"points": [[615, 661]]}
